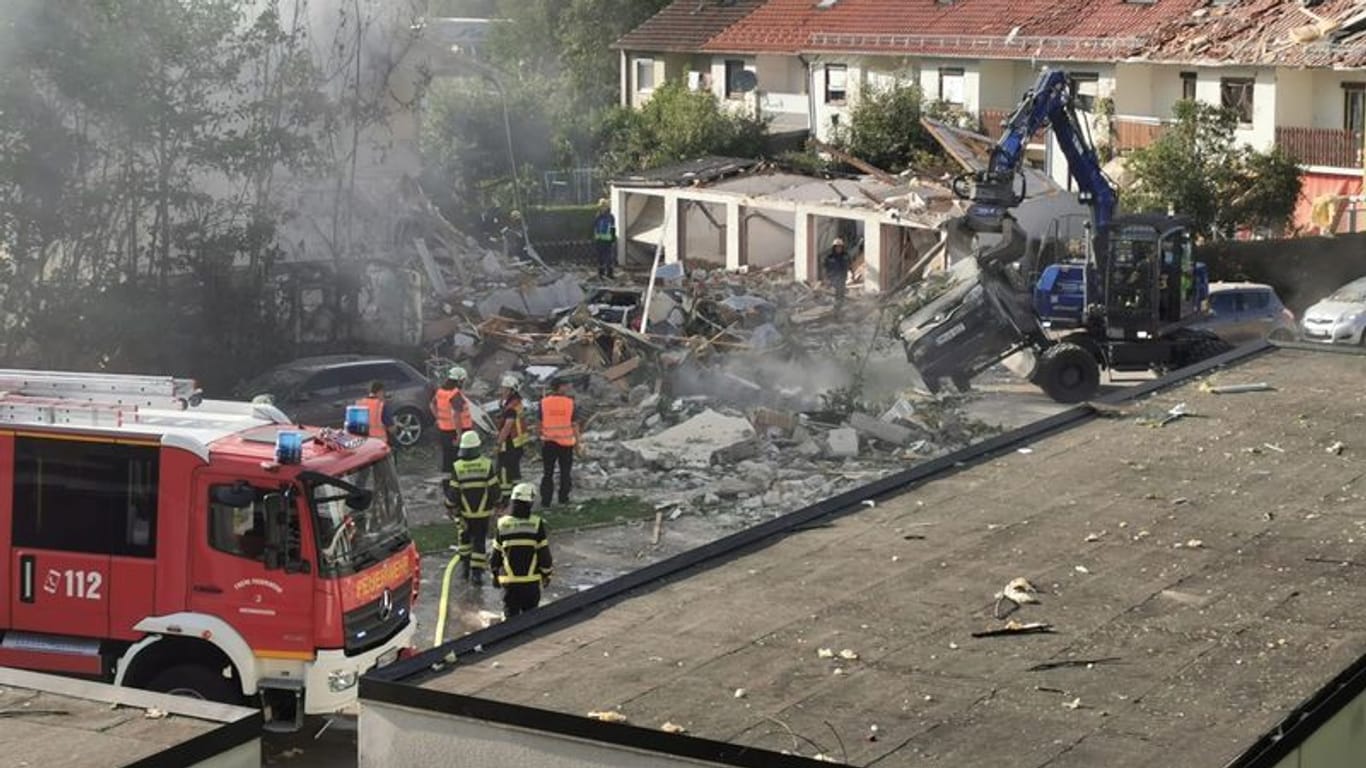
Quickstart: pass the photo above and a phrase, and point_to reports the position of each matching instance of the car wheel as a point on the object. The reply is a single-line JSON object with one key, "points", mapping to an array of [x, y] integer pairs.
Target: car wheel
{"points": [[1281, 334], [408, 427]]}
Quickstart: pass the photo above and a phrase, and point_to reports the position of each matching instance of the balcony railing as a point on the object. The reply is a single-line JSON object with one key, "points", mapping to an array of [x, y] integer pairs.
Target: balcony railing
{"points": [[1321, 146]]}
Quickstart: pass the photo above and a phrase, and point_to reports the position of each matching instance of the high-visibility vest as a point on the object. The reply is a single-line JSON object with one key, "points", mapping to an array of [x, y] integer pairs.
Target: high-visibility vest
{"points": [[474, 480], [519, 541], [445, 411], [519, 436], [604, 228], [557, 419], [376, 408]]}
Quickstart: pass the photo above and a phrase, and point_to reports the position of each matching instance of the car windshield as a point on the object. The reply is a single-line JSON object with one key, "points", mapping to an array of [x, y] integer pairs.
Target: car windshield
{"points": [[1351, 293], [350, 539]]}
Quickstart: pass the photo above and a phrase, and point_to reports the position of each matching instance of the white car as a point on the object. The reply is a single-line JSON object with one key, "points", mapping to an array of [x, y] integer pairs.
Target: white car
{"points": [[1340, 318]]}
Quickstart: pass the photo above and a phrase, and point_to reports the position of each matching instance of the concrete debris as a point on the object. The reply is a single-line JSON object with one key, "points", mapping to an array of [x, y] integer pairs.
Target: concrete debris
{"points": [[894, 434], [842, 443], [848, 655], [1336, 448], [672, 728], [740, 693], [825, 653], [154, 713], [706, 439], [608, 716]]}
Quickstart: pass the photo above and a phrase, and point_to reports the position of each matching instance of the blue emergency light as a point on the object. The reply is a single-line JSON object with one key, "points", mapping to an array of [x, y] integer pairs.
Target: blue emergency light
{"points": [[357, 420], [289, 447]]}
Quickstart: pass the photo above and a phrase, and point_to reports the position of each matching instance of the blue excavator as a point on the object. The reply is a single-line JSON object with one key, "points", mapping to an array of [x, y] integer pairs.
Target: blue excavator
{"points": [[1126, 304]]}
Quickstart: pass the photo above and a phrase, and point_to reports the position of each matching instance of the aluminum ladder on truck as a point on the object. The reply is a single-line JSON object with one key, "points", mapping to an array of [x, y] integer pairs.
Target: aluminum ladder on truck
{"points": [[88, 399]]}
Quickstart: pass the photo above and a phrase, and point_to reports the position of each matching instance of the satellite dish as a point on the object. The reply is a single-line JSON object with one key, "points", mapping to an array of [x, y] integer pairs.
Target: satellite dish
{"points": [[744, 81]]}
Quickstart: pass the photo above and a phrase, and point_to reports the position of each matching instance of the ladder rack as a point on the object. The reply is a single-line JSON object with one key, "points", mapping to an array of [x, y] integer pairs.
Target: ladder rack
{"points": [[100, 388], [18, 409]]}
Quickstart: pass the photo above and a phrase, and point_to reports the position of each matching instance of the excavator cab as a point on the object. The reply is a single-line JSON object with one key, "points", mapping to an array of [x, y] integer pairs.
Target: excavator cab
{"points": [[1153, 284]]}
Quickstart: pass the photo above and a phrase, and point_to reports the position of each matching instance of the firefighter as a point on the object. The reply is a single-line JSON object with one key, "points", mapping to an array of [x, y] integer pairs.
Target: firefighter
{"points": [[381, 421], [471, 497], [604, 238], [521, 561], [452, 415], [512, 434], [837, 270], [559, 435]]}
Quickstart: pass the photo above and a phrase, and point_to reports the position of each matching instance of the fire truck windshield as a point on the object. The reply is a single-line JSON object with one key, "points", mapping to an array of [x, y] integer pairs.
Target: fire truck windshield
{"points": [[359, 517]]}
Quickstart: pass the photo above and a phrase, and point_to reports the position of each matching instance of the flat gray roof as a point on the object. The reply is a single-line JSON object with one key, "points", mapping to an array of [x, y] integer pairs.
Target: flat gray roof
{"points": [[1201, 577], [54, 721]]}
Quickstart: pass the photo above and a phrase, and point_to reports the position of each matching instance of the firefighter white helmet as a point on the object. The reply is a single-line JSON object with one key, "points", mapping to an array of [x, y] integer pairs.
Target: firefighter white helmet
{"points": [[524, 492], [456, 373], [510, 381], [470, 440]]}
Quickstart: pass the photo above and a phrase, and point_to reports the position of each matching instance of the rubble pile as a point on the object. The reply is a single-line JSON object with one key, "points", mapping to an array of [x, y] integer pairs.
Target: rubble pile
{"points": [[732, 391]]}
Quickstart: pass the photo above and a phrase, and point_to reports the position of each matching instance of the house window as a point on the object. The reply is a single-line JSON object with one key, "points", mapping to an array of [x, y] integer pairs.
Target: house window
{"points": [[735, 79], [1188, 86], [951, 85], [1236, 94], [645, 75], [836, 83], [1353, 106], [1086, 89]]}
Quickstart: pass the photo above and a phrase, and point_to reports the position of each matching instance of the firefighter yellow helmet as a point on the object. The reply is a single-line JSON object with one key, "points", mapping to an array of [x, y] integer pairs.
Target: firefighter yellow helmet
{"points": [[470, 441], [524, 492]]}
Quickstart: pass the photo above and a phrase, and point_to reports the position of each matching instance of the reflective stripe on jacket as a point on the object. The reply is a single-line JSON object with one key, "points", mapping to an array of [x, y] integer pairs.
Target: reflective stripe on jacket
{"points": [[475, 482], [446, 407], [521, 550], [557, 419]]}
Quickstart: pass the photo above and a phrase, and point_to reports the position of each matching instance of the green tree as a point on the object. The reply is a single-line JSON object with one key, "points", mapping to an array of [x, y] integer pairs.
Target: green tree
{"points": [[885, 130], [1200, 170], [676, 124]]}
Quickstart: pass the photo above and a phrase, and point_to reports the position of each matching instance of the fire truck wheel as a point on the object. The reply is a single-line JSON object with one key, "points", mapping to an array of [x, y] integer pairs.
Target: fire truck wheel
{"points": [[197, 682]]}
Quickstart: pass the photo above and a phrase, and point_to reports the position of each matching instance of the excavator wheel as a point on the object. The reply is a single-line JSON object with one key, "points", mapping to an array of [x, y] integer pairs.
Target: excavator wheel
{"points": [[1068, 373]]}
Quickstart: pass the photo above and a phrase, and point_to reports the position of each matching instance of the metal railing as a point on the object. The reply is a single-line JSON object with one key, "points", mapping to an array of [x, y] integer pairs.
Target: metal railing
{"points": [[580, 186], [1331, 147]]}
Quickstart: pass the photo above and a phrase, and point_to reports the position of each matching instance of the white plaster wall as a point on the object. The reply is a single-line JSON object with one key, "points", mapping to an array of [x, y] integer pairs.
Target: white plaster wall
{"points": [[1297, 103], [704, 236], [972, 80], [780, 74], [826, 114], [1261, 134], [638, 97], [1329, 105], [997, 88], [1165, 83], [1134, 90], [397, 737]]}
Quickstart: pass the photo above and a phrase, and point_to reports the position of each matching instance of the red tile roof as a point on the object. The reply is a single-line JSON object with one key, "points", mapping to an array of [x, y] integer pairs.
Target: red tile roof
{"points": [[684, 26], [1243, 32]]}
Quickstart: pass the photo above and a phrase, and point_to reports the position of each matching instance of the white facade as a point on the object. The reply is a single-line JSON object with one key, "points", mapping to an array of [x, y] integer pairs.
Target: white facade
{"points": [[816, 92]]}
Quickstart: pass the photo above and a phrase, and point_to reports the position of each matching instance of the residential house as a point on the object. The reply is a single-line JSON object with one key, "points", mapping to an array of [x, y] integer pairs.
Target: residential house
{"points": [[1295, 70]]}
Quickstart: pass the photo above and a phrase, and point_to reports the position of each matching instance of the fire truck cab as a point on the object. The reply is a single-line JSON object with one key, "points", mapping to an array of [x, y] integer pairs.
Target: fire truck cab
{"points": [[207, 548]]}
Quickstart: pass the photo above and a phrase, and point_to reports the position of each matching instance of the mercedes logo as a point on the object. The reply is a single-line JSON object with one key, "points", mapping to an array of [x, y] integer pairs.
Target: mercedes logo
{"points": [[386, 605]]}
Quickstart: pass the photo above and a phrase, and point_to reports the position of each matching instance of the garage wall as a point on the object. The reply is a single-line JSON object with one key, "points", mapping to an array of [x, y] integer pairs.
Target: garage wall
{"points": [[398, 737]]}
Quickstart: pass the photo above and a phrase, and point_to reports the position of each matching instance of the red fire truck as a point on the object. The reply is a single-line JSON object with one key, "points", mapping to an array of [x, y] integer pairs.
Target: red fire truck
{"points": [[207, 548]]}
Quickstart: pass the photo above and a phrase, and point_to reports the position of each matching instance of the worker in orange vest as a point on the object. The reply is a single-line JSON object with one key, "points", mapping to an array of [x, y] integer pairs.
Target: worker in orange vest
{"points": [[452, 415], [559, 435], [512, 434], [381, 421]]}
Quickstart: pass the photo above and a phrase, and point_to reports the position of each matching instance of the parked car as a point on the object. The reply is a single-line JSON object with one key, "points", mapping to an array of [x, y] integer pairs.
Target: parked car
{"points": [[1242, 312], [1340, 318], [316, 391]]}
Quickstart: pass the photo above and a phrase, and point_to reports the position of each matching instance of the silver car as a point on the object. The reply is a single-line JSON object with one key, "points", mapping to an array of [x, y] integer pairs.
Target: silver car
{"points": [[1241, 312], [1340, 318]]}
